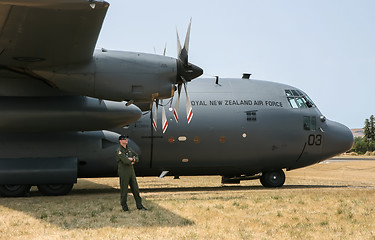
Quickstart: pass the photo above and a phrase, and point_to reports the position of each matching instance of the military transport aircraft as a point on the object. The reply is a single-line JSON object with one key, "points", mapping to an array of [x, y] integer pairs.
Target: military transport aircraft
{"points": [[58, 94]]}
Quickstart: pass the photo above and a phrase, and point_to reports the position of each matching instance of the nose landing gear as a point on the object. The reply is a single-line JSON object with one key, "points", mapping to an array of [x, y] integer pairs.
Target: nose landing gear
{"points": [[273, 179]]}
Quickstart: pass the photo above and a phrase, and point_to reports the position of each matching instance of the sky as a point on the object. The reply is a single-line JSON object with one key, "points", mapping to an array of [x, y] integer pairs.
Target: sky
{"points": [[324, 47]]}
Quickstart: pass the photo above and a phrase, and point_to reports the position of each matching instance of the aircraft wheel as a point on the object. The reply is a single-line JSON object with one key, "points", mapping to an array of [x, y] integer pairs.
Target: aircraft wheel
{"points": [[273, 179], [55, 189], [9, 190]]}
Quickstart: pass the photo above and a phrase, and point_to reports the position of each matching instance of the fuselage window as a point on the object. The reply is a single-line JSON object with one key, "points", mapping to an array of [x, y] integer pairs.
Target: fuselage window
{"points": [[309, 123], [306, 123], [313, 123], [182, 138]]}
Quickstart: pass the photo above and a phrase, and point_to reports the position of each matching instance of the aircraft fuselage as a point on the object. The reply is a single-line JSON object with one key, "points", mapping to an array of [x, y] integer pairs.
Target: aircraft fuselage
{"points": [[240, 126]]}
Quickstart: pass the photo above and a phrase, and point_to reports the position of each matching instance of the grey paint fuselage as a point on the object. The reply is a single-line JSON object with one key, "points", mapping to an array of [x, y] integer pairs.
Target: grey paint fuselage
{"points": [[240, 126]]}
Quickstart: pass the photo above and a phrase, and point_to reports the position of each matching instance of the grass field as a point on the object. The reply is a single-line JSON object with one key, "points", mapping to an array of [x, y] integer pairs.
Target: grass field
{"points": [[325, 201]]}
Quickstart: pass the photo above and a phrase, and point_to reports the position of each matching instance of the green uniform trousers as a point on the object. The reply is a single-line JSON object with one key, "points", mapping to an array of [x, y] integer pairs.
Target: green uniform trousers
{"points": [[128, 178]]}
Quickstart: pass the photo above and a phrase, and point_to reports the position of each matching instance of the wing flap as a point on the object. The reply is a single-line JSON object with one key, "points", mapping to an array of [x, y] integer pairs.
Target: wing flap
{"points": [[58, 33]]}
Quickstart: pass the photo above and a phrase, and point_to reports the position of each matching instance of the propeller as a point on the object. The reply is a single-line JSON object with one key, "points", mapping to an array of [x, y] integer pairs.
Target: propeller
{"points": [[189, 109], [155, 115], [155, 109], [176, 107], [185, 73], [164, 121]]}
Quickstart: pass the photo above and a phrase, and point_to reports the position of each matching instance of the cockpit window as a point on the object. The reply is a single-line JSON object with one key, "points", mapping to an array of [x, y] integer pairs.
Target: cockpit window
{"points": [[292, 102], [301, 103], [288, 93], [298, 99], [295, 93]]}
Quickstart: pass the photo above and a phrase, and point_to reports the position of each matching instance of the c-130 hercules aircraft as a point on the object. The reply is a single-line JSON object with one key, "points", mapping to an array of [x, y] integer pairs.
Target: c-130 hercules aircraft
{"points": [[58, 94]]}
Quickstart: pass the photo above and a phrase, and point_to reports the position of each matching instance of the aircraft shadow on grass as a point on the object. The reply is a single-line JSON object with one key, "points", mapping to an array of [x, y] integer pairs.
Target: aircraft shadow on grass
{"points": [[98, 206], [93, 208]]}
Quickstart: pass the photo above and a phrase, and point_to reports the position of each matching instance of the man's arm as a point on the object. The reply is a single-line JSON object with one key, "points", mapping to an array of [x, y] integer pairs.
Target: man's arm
{"points": [[121, 157], [134, 155]]}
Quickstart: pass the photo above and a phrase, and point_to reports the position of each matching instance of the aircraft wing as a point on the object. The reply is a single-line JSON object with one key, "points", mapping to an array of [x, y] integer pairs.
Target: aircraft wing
{"points": [[41, 33]]}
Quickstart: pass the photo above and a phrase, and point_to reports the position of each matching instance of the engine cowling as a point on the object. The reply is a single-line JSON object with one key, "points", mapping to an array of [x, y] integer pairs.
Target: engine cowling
{"points": [[117, 76]]}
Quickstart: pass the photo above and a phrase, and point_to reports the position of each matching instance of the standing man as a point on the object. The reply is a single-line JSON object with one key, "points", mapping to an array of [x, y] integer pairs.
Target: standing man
{"points": [[126, 157]]}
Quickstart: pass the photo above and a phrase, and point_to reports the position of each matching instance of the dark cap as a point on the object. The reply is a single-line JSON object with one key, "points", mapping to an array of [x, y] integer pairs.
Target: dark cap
{"points": [[122, 137]]}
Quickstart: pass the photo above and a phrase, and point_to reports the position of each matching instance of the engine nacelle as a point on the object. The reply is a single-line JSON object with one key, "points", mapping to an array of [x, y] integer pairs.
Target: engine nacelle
{"points": [[117, 76], [63, 113]]}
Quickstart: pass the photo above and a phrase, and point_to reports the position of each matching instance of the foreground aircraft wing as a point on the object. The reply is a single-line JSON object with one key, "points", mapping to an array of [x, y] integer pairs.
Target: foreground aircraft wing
{"points": [[42, 33]]}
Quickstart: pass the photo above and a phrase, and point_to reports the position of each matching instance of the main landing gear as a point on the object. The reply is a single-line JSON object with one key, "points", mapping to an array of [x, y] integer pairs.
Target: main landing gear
{"points": [[22, 190], [9, 190]]}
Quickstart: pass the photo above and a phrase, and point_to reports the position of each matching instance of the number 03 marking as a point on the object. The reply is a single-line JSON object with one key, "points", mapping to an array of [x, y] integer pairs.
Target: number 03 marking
{"points": [[315, 140]]}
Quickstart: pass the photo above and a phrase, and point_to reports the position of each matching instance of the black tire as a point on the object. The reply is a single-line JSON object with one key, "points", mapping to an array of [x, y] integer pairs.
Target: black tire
{"points": [[9, 190], [273, 179], [55, 189]]}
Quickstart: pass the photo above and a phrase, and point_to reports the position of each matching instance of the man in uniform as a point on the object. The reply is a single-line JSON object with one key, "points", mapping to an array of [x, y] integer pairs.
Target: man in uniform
{"points": [[126, 157]]}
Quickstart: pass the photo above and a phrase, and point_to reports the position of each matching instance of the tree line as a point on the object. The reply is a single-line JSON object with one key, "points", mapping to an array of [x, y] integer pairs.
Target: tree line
{"points": [[366, 143]]}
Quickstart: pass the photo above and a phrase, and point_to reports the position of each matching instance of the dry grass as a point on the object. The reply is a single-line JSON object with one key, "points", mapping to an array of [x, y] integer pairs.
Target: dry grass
{"points": [[324, 201]]}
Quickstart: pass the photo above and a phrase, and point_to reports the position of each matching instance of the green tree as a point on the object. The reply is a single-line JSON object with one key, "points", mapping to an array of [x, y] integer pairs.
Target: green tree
{"points": [[366, 143], [362, 145], [369, 128], [372, 128], [366, 129]]}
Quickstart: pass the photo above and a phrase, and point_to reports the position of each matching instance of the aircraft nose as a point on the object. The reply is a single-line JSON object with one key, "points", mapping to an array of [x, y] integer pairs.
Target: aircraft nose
{"points": [[338, 138]]}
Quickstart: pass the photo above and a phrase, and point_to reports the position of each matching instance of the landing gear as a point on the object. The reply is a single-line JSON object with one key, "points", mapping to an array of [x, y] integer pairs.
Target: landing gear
{"points": [[9, 190], [273, 179], [21, 190], [55, 189]]}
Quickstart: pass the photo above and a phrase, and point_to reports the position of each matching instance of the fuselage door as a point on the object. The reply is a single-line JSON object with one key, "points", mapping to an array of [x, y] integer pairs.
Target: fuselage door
{"points": [[314, 134], [314, 138]]}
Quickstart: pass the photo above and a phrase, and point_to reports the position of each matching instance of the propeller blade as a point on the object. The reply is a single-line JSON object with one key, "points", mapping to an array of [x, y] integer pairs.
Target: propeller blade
{"points": [[183, 53], [155, 116], [176, 106], [187, 38], [164, 120], [184, 68], [178, 44], [189, 109]]}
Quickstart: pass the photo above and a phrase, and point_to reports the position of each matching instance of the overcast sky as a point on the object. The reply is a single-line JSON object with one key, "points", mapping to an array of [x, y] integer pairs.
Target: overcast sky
{"points": [[324, 47]]}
